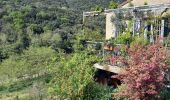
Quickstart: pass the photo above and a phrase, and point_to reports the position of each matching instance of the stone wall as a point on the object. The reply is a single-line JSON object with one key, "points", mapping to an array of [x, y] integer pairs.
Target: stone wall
{"points": [[110, 26]]}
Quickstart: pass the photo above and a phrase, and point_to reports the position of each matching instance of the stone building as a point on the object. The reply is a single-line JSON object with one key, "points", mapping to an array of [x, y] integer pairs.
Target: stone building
{"points": [[139, 16], [147, 18]]}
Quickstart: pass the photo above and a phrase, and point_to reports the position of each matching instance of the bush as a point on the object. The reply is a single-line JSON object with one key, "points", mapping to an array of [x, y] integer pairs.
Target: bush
{"points": [[113, 5], [139, 41], [165, 95], [3, 88], [143, 73], [73, 75], [94, 91], [122, 39]]}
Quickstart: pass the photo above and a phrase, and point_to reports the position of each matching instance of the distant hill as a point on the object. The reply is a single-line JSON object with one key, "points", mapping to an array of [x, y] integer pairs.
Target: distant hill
{"points": [[79, 5], [32, 17], [87, 4]]}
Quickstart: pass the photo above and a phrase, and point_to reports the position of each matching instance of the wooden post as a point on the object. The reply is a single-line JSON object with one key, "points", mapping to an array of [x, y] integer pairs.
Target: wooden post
{"points": [[134, 21]]}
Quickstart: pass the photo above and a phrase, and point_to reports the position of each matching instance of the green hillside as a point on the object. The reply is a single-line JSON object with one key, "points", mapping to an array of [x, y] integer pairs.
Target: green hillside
{"points": [[47, 52], [42, 53]]}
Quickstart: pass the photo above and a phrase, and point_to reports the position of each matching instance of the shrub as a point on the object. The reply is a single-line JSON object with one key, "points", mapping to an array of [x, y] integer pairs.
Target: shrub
{"points": [[94, 91], [122, 39], [165, 95], [73, 76], [113, 5], [143, 75], [139, 41]]}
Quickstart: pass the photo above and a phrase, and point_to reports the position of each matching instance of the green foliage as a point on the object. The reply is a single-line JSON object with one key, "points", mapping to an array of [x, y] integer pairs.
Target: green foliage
{"points": [[31, 31], [122, 39], [113, 5], [79, 42], [94, 35], [73, 74], [94, 91], [94, 30], [86, 4], [145, 3], [30, 18], [24, 89], [19, 86], [36, 29], [97, 8], [3, 55], [139, 41], [32, 61], [3, 88], [165, 95], [131, 4], [120, 88]]}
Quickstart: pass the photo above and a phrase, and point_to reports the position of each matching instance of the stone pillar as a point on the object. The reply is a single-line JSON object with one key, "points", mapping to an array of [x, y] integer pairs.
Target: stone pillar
{"points": [[151, 29], [151, 39], [145, 31], [110, 26], [159, 22], [151, 36], [162, 29], [138, 26]]}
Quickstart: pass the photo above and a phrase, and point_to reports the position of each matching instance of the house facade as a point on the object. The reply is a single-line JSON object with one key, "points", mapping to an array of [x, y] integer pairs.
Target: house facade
{"points": [[139, 16]]}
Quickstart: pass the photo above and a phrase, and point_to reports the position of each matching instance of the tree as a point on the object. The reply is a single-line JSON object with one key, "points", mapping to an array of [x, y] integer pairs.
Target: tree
{"points": [[97, 8], [73, 75], [143, 75], [145, 3], [131, 4], [113, 5]]}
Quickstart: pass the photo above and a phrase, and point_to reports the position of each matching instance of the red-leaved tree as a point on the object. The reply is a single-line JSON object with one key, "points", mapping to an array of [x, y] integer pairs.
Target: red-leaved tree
{"points": [[144, 72]]}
